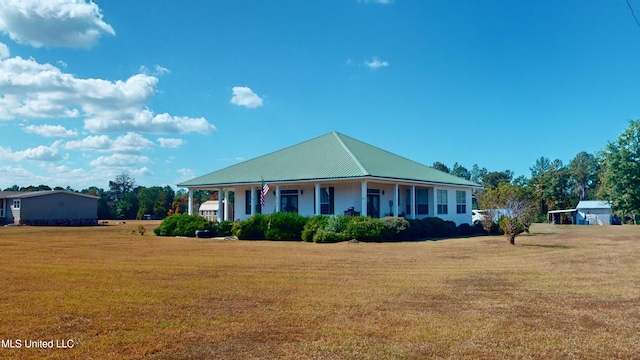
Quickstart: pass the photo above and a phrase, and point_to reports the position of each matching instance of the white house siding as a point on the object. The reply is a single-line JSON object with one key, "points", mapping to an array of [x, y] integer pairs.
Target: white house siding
{"points": [[348, 194]]}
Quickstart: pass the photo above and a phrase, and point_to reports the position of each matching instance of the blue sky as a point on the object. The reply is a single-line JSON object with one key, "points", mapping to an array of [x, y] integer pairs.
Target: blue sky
{"points": [[167, 90]]}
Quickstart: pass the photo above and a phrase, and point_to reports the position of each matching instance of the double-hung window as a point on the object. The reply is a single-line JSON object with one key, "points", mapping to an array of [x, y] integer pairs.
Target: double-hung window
{"points": [[422, 201], [16, 203], [327, 201], [461, 202], [443, 201]]}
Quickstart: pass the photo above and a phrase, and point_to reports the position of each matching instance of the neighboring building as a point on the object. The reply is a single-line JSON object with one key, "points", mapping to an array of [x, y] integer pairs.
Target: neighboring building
{"points": [[593, 213], [55, 207], [209, 210], [336, 174], [587, 212]]}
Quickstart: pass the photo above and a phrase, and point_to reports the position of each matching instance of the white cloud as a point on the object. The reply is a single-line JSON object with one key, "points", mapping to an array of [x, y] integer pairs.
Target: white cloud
{"points": [[31, 90], [244, 96], [130, 143], [50, 131], [101, 142], [118, 160], [38, 153], [170, 143], [147, 121], [65, 23], [375, 63], [4, 51], [143, 171]]}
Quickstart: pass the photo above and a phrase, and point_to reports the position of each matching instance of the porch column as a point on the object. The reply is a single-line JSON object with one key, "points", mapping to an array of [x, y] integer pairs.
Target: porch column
{"points": [[190, 201], [363, 191], [317, 207], [226, 205], [252, 202], [220, 204], [277, 198], [413, 201], [395, 200]]}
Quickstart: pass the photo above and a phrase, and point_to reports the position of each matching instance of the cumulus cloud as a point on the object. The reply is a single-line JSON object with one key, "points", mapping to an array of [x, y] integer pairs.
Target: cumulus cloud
{"points": [[38, 153], [98, 142], [30, 90], [128, 143], [65, 23], [50, 131], [170, 143], [244, 96], [4, 51], [119, 160], [375, 63]]}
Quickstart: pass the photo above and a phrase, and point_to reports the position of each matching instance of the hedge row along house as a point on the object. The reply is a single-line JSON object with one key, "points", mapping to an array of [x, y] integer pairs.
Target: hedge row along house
{"points": [[336, 174], [54, 207]]}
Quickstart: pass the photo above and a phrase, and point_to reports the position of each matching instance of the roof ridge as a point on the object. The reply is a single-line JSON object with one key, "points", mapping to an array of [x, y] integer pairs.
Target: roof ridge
{"points": [[346, 148]]}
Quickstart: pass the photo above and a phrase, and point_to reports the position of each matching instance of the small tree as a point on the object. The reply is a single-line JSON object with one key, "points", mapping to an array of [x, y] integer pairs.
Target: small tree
{"points": [[517, 211]]}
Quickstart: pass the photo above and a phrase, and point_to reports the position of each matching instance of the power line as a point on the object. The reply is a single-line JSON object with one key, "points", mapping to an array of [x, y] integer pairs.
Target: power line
{"points": [[633, 13]]}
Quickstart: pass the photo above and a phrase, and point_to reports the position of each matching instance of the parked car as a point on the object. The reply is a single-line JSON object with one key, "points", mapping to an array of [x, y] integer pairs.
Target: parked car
{"points": [[478, 216]]}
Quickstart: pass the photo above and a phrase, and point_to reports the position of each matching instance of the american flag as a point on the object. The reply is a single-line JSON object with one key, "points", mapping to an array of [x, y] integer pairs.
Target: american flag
{"points": [[264, 192]]}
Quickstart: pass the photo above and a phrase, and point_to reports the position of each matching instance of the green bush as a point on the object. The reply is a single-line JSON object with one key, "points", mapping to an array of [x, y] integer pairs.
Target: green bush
{"points": [[327, 236], [396, 228], [182, 225], [313, 225], [223, 228], [252, 228], [285, 226], [338, 223], [364, 228], [438, 227]]}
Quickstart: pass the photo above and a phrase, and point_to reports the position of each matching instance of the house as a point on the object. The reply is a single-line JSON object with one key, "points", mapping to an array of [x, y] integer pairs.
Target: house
{"points": [[587, 212], [336, 174], [55, 207], [209, 210]]}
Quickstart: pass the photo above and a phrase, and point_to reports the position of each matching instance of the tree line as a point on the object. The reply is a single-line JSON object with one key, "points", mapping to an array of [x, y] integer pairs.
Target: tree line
{"points": [[612, 174]]}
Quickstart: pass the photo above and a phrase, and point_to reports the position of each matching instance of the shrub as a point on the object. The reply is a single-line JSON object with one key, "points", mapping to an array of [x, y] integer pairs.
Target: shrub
{"points": [[438, 227], [285, 226], [396, 228], [252, 228], [451, 229], [365, 229], [223, 228], [182, 225], [327, 236], [338, 223], [313, 225], [466, 229]]}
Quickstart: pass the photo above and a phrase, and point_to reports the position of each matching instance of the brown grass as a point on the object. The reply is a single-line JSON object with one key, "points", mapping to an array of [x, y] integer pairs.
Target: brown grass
{"points": [[561, 292]]}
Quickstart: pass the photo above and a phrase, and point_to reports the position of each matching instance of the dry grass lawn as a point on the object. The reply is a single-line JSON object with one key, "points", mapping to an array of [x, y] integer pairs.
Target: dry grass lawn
{"points": [[560, 292]]}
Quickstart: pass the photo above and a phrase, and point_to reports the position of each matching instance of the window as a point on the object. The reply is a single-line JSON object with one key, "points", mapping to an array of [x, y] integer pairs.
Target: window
{"points": [[289, 201], [443, 201], [326, 200], [407, 201], [1, 208], [461, 202], [16, 204], [247, 202], [422, 201]]}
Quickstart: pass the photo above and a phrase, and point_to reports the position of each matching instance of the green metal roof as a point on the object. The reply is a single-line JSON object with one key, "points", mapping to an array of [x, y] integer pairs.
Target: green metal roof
{"points": [[330, 156]]}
